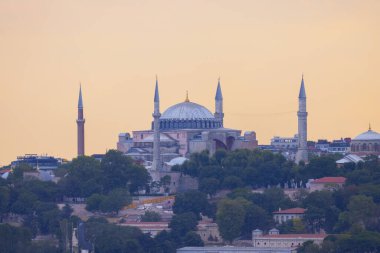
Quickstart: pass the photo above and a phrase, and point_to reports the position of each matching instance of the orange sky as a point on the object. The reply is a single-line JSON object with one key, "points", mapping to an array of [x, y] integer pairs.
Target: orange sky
{"points": [[115, 48]]}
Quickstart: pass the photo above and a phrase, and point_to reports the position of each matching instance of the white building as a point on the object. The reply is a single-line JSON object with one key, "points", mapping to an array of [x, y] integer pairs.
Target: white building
{"points": [[276, 240], [284, 143], [282, 216]]}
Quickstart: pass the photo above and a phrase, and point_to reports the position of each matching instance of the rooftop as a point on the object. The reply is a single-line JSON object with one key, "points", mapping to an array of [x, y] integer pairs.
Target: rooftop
{"points": [[296, 210], [324, 180], [292, 236]]}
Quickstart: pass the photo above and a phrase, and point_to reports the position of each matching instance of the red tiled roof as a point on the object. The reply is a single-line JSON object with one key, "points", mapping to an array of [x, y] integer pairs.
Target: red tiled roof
{"points": [[296, 210], [294, 236], [335, 180]]}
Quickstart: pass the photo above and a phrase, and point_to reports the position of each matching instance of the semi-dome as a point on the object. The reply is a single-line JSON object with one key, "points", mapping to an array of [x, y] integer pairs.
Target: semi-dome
{"points": [[187, 111], [367, 136]]}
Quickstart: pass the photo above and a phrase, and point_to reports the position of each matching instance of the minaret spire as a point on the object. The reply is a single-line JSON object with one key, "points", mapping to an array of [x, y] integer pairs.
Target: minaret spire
{"points": [[302, 152], [219, 104], [156, 165], [80, 124]]}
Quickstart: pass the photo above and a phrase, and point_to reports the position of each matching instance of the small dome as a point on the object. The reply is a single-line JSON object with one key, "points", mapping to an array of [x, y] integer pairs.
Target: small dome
{"points": [[187, 111], [367, 136]]}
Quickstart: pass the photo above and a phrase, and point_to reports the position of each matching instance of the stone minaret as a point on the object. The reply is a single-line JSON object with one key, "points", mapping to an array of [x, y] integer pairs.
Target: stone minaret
{"points": [[80, 124], [156, 129], [219, 104], [302, 153]]}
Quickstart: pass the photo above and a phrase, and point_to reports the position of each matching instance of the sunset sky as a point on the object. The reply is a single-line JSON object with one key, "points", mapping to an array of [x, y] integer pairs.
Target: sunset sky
{"points": [[115, 48]]}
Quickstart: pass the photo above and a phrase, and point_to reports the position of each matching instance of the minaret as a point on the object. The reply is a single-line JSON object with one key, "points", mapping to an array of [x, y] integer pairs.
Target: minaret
{"points": [[302, 153], [80, 124], [156, 129], [219, 104]]}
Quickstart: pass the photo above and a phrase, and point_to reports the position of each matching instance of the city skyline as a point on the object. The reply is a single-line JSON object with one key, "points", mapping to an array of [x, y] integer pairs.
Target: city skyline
{"points": [[44, 59]]}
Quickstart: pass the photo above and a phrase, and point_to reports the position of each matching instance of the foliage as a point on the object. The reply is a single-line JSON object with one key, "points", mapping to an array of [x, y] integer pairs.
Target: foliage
{"points": [[151, 216], [191, 201], [183, 223], [230, 218], [112, 202]]}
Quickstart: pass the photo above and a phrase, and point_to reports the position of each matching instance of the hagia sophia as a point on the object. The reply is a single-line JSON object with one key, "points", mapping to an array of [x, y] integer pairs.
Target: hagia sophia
{"points": [[188, 127], [185, 128]]}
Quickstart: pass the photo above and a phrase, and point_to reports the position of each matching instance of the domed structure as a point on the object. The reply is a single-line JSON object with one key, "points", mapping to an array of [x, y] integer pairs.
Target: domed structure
{"points": [[367, 143], [367, 136], [186, 111], [183, 129], [188, 115]]}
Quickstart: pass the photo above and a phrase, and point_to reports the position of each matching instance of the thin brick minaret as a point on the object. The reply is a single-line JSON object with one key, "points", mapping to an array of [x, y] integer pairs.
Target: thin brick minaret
{"points": [[156, 129], [80, 124], [219, 104], [302, 153]]}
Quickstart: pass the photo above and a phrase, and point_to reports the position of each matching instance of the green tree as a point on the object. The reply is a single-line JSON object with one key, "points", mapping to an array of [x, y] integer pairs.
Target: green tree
{"points": [[183, 223], [151, 216], [94, 201], [230, 219], [192, 239], [83, 177], [209, 185], [362, 210], [165, 183], [13, 239], [191, 201], [115, 200], [119, 171]]}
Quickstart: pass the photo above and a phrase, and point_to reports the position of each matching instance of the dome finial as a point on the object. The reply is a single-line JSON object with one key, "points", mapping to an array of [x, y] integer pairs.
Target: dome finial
{"points": [[187, 97], [369, 128]]}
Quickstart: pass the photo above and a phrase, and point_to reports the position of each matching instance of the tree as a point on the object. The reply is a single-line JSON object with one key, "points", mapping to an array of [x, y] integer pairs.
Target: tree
{"points": [[255, 217], [151, 216], [83, 177], [209, 185], [230, 219], [191, 201], [119, 171], [362, 210], [94, 201], [115, 200], [13, 239], [192, 239], [183, 223], [165, 183]]}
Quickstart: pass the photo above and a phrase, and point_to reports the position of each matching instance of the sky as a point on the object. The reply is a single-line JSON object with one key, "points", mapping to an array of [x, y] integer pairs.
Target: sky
{"points": [[115, 48]]}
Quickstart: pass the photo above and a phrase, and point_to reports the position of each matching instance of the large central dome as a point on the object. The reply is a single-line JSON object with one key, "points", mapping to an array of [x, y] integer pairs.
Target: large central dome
{"points": [[187, 111], [188, 115]]}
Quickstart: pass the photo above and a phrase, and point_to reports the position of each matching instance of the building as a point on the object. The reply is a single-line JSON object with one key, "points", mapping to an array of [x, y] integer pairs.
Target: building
{"points": [[276, 240], [209, 232], [367, 143], [284, 143], [182, 129], [351, 158], [322, 145], [233, 249], [326, 183], [42, 162], [302, 152], [341, 146], [282, 216]]}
